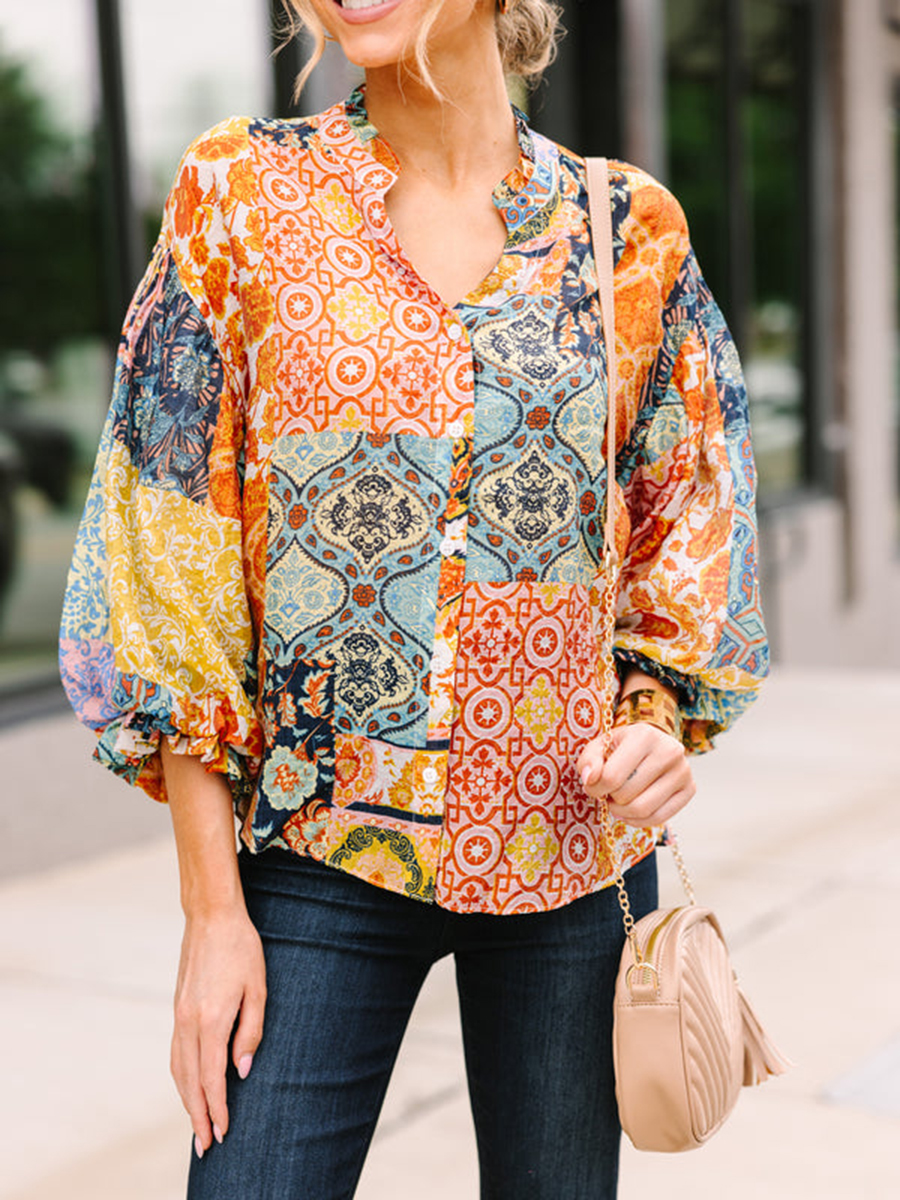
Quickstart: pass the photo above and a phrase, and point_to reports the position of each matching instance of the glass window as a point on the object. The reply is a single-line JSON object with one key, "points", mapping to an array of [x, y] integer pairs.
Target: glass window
{"points": [[54, 355], [188, 65], [738, 80], [61, 298]]}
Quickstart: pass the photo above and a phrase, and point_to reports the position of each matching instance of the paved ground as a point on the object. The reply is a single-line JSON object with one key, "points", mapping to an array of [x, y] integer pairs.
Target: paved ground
{"points": [[795, 840]]}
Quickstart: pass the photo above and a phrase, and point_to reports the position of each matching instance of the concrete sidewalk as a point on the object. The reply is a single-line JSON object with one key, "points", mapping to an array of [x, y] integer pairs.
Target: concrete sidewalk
{"points": [[794, 840]]}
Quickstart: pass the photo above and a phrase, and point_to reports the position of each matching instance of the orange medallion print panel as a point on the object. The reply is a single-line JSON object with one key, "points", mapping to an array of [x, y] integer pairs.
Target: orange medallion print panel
{"points": [[520, 833]]}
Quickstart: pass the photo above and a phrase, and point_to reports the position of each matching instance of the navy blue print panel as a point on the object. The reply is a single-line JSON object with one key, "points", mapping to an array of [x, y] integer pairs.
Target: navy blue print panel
{"points": [[573, 179], [724, 358], [167, 399], [688, 309], [298, 768], [291, 133]]}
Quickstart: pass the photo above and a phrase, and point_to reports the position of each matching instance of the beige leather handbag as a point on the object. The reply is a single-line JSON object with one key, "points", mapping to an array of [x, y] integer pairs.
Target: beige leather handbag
{"points": [[685, 1039]]}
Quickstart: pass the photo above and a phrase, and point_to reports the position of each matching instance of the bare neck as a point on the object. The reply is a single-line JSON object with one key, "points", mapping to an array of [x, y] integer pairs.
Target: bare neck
{"points": [[469, 131]]}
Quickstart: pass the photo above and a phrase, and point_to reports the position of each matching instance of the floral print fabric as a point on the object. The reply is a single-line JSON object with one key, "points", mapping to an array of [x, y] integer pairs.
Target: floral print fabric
{"points": [[342, 541]]}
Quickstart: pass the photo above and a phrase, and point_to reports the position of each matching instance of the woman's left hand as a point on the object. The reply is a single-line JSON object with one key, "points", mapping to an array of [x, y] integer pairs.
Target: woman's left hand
{"points": [[647, 776]]}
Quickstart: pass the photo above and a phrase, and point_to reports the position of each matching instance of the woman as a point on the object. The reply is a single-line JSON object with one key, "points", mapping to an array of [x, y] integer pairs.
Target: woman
{"points": [[335, 572]]}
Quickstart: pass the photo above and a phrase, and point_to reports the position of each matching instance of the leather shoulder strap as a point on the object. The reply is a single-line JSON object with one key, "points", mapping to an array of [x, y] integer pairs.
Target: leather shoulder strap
{"points": [[600, 203]]}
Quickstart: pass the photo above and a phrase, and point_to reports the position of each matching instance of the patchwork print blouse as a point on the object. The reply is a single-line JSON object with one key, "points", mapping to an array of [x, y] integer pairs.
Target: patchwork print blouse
{"points": [[341, 538]]}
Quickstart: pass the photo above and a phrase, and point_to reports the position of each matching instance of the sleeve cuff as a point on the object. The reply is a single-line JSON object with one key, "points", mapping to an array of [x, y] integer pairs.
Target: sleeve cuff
{"points": [[130, 748], [685, 688]]}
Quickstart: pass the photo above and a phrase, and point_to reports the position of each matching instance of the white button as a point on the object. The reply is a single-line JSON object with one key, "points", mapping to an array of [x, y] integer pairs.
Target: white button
{"points": [[533, 848], [456, 429], [430, 775], [454, 332]]}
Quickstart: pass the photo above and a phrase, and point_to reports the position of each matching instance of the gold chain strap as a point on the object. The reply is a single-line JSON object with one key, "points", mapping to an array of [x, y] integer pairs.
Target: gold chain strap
{"points": [[608, 691], [604, 609], [682, 870], [624, 902], [599, 199], [609, 688]]}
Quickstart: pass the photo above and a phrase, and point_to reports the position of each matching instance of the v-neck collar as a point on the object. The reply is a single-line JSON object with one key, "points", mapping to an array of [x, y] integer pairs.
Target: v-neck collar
{"points": [[507, 192], [526, 197]]}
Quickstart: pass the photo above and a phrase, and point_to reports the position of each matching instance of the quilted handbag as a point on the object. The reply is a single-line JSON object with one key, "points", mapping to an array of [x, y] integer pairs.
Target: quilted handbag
{"points": [[685, 1039]]}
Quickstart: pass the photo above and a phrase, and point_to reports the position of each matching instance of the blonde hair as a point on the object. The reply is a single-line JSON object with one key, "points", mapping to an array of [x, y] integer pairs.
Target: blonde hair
{"points": [[527, 35]]}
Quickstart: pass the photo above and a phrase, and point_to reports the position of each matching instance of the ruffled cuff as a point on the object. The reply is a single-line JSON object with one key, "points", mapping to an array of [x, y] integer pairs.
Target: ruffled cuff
{"points": [[130, 748], [711, 713]]}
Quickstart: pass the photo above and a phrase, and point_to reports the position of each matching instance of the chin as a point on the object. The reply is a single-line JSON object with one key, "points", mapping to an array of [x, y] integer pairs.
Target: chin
{"points": [[371, 57]]}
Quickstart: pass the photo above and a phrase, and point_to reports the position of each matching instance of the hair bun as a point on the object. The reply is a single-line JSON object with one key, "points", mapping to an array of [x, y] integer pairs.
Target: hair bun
{"points": [[528, 34]]}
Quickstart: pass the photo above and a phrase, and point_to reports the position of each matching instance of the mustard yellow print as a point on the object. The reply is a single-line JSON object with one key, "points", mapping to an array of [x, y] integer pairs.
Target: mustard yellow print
{"points": [[539, 711], [355, 312], [225, 140], [178, 606], [533, 849], [337, 208]]}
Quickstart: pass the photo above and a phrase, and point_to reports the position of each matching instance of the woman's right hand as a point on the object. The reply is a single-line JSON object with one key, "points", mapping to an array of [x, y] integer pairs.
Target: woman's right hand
{"points": [[222, 973], [221, 981]]}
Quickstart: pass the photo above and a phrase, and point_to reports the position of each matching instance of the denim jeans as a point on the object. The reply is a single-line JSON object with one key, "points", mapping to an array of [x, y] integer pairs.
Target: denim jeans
{"points": [[345, 962]]}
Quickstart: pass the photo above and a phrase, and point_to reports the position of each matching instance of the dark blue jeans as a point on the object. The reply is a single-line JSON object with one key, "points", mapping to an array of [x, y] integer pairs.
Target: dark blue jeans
{"points": [[345, 962]]}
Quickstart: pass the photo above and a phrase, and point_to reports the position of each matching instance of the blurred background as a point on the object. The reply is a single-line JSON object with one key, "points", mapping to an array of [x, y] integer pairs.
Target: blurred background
{"points": [[777, 124]]}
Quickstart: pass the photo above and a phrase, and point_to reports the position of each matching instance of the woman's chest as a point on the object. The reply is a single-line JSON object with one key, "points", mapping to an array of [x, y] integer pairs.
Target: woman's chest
{"points": [[354, 334], [452, 240]]}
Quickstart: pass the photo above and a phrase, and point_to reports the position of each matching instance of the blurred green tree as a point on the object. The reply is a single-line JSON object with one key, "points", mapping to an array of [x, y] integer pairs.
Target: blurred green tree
{"points": [[51, 284]]}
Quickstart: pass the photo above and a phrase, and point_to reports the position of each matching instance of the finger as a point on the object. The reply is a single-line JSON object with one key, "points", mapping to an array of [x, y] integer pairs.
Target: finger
{"points": [[625, 741], [674, 806], [643, 756], [590, 762], [624, 762], [651, 799], [665, 765], [660, 818], [185, 1066], [656, 806], [213, 1062], [647, 773], [249, 1031]]}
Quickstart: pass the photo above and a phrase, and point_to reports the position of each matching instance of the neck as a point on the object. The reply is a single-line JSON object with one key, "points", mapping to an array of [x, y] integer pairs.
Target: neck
{"points": [[468, 129]]}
